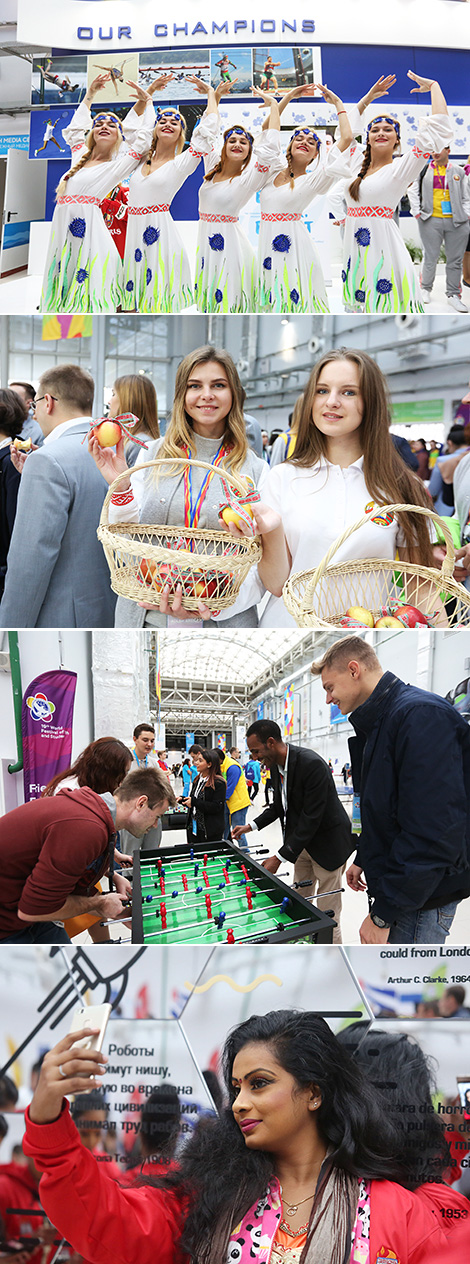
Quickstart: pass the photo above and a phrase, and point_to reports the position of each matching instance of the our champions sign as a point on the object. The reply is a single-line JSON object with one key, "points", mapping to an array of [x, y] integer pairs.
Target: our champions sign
{"points": [[46, 726], [144, 24]]}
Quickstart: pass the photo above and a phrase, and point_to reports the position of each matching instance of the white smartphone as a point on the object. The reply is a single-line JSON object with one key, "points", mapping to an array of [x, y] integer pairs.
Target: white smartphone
{"points": [[91, 1016]]}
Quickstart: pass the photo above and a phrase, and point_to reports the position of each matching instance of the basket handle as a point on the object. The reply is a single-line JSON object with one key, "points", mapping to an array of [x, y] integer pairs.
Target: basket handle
{"points": [[169, 461], [447, 565]]}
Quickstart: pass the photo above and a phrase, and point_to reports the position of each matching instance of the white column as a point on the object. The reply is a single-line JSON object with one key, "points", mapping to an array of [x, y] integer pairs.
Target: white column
{"points": [[120, 682]]}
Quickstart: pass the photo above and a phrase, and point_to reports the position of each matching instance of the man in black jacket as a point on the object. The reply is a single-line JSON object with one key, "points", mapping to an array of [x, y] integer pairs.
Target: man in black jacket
{"points": [[316, 828], [414, 849]]}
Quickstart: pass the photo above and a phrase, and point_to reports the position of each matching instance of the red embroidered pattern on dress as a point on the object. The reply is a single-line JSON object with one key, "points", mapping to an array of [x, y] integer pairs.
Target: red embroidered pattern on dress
{"points": [[122, 498], [133, 154], [146, 210], [419, 153], [79, 146], [83, 198], [219, 219], [195, 152], [385, 212], [258, 167], [297, 215]]}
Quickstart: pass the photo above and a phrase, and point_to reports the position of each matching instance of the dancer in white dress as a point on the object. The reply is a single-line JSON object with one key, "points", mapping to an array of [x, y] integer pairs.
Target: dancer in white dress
{"points": [[225, 261], [290, 277], [157, 274], [344, 465], [83, 267], [378, 274]]}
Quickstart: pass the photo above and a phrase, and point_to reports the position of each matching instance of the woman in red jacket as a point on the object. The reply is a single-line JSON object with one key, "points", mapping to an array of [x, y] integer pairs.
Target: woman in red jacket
{"points": [[303, 1164]]}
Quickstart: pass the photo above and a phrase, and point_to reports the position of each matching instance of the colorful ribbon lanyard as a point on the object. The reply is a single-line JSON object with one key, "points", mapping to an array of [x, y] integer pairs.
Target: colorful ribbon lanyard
{"points": [[192, 513]]}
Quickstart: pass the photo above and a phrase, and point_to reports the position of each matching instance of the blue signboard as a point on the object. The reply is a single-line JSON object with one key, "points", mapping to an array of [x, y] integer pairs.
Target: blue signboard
{"points": [[336, 716], [13, 142]]}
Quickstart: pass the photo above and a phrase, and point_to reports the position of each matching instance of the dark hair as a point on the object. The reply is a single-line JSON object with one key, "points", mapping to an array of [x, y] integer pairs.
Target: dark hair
{"points": [[195, 750], [221, 1178], [458, 993], [212, 758], [13, 413], [26, 386], [84, 1102], [160, 1120], [215, 1089], [143, 728], [457, 435], [72, 385], [8, 1093], [150, 781], [396, 1066], [265, 729], [101, 766], [3, 1127]]}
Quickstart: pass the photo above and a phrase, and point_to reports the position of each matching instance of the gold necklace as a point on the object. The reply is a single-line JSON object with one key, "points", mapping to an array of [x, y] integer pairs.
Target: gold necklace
{"points": [[292, 1208]]}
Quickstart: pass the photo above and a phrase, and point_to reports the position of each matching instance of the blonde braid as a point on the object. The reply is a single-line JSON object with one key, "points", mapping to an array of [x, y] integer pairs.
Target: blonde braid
{"points": [[356, 184]]}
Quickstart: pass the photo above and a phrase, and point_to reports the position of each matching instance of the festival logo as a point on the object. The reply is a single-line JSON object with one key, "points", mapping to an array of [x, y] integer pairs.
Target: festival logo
{"points": [[40, 707], [383, 520]]}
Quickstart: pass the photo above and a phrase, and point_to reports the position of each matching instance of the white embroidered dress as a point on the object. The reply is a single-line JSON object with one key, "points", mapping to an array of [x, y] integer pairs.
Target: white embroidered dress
{"points": [[157, 275], [290, 276], [83, 271], [378, 273], [225, 261]]}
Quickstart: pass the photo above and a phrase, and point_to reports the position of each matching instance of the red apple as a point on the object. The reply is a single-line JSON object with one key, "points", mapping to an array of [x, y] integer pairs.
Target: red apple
{"points": [[410, 616], [108, 434]]}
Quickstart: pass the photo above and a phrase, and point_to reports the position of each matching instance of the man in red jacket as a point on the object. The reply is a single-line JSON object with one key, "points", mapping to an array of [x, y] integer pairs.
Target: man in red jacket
{"points": [[19, 1189], [53, 851]]}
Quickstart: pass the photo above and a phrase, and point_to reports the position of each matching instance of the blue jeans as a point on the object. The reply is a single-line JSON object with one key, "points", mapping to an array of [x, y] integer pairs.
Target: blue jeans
{"points": [[39, 933], [239, 818], [425, 926]]}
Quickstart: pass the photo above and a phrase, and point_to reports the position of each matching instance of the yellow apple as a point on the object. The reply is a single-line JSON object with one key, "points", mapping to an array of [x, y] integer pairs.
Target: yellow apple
{"points": [[230, 515], [108, 434], [361, 615], [388, 621]]}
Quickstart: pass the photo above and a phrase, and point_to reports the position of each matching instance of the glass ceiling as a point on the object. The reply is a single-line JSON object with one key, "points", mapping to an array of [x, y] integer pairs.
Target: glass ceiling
{"points": [[234, 657]]}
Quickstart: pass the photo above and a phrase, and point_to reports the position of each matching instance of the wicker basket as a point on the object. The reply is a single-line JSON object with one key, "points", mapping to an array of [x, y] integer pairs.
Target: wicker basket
{"points": [[209, 565], [320, 598]]}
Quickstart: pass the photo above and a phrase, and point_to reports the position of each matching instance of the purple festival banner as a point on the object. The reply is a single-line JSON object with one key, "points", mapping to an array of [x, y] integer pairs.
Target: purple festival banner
{"points": [[46, 725]]}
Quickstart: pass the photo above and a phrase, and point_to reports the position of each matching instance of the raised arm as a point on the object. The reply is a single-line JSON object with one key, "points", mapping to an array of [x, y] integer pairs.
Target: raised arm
{"points": [[379, 89], [438, 101], [345, 130], [205, 89], [273, 120]]}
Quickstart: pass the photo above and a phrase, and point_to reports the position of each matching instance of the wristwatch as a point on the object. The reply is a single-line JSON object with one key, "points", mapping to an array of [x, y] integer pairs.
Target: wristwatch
{"points": [[378, 921]]}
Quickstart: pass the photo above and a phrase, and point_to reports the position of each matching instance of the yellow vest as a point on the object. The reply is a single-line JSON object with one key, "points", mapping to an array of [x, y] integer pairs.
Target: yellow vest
{"points": [[240, 797]]}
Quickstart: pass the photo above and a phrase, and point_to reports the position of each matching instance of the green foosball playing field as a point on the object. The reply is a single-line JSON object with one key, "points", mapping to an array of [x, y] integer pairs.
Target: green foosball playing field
{"points": [[214, 893]]}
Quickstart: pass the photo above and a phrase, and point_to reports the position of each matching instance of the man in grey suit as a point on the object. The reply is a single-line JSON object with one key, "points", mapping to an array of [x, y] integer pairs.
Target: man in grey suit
{"points": [[57, 575]]}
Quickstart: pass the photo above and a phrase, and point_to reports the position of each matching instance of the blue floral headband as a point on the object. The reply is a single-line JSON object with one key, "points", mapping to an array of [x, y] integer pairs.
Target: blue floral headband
{"points": [[169, 114], [102, 118], [382, 118], [238, 131], [306, 131]]}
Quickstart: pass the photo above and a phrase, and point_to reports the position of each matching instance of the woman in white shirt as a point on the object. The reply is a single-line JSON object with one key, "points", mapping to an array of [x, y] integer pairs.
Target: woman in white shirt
{"points": [[344, 465]]}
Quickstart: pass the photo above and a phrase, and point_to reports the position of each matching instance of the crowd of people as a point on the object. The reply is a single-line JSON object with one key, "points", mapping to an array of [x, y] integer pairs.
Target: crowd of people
{"points": [[55, 850], [337, 461], [115, 246]]}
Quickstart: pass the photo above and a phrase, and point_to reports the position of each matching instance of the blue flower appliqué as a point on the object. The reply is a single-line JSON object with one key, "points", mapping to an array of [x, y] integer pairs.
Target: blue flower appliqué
{"points": [[77, 227], [384, 287], [267, 263], [360, 296], [218, 296], [150, 235], [216, 242], [130, 286], [344, 276], [137, 255], [362, 236], [149, 276], [282, 243], [202, 263], [82, 275], [294, 296]]}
